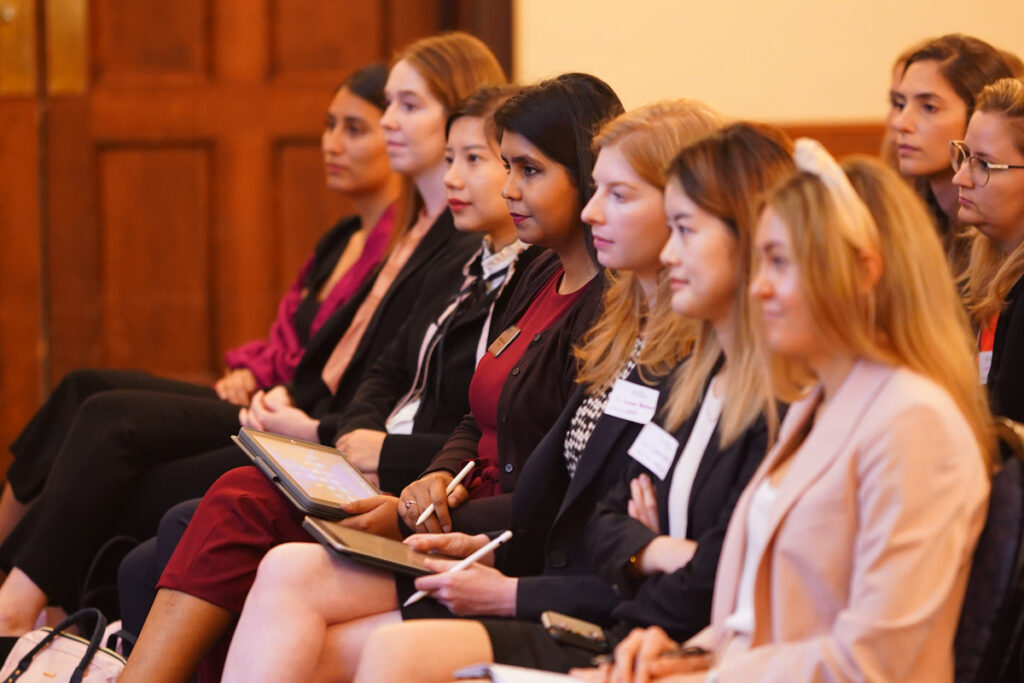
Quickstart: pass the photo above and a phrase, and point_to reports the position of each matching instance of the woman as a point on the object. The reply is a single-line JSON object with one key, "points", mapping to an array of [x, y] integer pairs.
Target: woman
{"points": [[711, 209], [546, 141], [989, 166], [355, 160], [416, 389], [931, 105], [848, 554], [148, 458]]}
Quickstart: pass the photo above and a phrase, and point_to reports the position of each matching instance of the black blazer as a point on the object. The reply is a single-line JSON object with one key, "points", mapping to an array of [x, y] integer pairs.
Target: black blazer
{"points": [[679, 602], [441, 251], [1006, 376], [445, 397], [530, 399], [550, 512]]}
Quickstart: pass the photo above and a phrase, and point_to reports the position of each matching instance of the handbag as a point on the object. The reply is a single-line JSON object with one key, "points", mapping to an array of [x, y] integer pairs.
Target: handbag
{"points": [[52, 656]]}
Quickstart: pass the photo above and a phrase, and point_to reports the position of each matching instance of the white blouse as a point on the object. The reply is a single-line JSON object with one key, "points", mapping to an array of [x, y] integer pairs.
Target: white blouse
{"points": [[741, 621]]}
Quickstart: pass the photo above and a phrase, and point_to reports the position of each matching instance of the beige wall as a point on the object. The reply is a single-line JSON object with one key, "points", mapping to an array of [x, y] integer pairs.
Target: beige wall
{"points": [[783, 60]]}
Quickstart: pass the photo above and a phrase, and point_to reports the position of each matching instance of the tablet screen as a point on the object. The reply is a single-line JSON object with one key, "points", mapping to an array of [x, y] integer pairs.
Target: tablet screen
{"points": [[321, 473]]}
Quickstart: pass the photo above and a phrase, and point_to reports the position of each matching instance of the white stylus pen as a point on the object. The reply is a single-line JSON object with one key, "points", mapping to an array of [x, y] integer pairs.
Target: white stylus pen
{"points": [[505, 535], [448, 489]]}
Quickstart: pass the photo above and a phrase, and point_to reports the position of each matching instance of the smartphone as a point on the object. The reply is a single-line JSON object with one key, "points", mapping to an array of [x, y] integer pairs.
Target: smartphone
{"points": [[573, 631]]}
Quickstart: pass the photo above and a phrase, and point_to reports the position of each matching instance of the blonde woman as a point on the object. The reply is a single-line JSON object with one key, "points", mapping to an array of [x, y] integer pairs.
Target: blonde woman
{"points": [[849, 552], [989, 166]]}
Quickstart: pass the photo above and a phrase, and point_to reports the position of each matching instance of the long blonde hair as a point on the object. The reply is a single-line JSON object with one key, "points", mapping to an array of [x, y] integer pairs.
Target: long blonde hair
{"points": [[912, 317], [453, 64], [648, 138], [993, 273], [726, 175]]}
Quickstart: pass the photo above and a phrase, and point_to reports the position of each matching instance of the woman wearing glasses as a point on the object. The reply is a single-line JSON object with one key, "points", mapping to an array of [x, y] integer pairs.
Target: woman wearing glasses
{"points": [[989, 166]]}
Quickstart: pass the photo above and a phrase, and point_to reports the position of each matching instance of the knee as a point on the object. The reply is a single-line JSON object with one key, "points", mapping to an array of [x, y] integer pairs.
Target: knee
{"points": [[378, 662], [288, 567]]}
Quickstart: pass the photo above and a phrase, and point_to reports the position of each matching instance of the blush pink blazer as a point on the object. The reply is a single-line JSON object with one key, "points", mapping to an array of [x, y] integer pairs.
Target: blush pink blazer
{"points": [[870, 539]]}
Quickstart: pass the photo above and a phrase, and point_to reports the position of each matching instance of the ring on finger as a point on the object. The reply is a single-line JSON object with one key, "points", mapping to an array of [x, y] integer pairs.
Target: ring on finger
{"points": [[409, 503]]}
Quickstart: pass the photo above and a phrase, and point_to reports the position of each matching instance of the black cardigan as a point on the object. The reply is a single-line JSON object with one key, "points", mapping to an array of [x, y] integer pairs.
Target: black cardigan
{"points": [[530, 399], [445, 397], [442, 251], [679, 602], [550, 513], [1006, 375]]}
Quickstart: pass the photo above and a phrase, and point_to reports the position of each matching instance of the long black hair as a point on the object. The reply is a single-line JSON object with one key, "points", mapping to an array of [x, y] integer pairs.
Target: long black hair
{"points": [[560, 117]]}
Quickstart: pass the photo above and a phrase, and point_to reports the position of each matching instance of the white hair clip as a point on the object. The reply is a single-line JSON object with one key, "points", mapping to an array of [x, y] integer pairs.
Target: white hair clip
{"points": [[812, 157]]}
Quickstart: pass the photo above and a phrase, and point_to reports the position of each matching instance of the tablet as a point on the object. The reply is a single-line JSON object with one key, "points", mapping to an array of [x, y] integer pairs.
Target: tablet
{"points": [[376, 550], [317, 478]]}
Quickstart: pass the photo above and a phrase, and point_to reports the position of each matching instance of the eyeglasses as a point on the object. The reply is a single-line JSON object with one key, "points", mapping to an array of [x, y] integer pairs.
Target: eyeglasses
{"points": [[978, 168]]}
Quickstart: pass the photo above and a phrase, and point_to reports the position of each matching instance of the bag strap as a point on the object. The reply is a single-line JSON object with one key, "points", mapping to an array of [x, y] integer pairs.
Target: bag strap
{"points": [[82, 615]]}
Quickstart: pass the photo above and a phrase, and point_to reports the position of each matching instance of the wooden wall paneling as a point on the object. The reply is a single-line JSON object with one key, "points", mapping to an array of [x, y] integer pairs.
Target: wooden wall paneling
{"points": [[490, 21], [156, 212], [312, 40], [304, 209], [73, 249], [407, 20], [21, 349], [842, 139], [246, 292], [151, 42]]}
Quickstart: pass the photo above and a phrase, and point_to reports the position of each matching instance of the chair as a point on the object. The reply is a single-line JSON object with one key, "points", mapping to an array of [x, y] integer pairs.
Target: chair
{"points": [[987, 648]]}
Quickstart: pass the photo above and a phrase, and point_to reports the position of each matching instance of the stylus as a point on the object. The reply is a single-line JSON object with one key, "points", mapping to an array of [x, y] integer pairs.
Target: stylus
{"points": [[448, 490], [505, 535]]}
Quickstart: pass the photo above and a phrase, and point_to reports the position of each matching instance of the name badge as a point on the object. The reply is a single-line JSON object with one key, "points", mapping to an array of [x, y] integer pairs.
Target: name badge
{"points": [[632, 401], [503, 340], [984, 365], [655, 449]]}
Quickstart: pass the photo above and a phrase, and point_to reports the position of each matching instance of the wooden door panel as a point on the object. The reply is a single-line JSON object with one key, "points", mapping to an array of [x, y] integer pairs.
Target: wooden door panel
{"points": [[155, 208], [21, 346], [311, 38], [301, 214], [151, 42]]}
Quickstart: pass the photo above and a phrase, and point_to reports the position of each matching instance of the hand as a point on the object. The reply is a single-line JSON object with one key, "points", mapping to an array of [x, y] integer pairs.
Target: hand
{"points": [[643, 503], [278, 397], [665, 554], [374, 515], [453, 545], [599, 674], [362, 448], [236, 386], [430, 488], [279, 419], [644, 655], [475, 590]]}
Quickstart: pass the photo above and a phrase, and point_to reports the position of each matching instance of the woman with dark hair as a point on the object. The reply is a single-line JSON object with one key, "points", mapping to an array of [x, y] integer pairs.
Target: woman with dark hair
{"points": [[517, 392], [931, 104], [355, 165]]}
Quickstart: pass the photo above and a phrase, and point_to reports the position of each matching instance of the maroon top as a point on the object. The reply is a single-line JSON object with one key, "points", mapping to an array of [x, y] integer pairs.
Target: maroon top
{"points": [[273, 360], [485, 388]]}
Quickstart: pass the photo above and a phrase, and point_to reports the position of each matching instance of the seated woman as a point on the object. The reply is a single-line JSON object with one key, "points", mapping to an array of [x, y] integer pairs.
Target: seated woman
{"points": [[848, 554], [416, 389], [356, 165], [719, 408], [143, 457], [214, 565], [989, 166], [931, 104]]}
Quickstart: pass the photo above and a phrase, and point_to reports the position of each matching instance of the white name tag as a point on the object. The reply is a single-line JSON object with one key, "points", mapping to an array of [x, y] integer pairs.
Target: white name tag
{"points": [[984, 365], [655, 449], [631, 401]]}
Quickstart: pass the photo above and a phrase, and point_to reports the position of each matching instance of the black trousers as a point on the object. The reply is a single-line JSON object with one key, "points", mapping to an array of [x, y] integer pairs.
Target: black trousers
{"points": [[37, 446], [127, 457]]}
